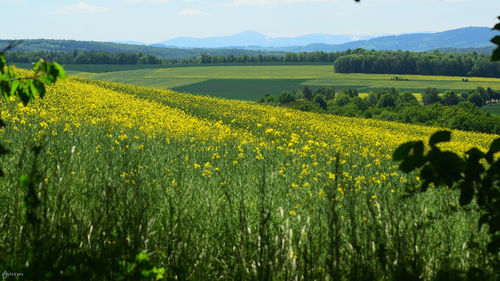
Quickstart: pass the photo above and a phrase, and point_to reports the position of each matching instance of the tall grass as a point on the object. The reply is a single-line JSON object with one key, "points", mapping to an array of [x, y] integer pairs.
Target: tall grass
{"points": [[120, 203]]}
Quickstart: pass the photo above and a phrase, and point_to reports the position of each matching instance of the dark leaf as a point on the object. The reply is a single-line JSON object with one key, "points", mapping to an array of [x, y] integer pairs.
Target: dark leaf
{"points": [[496, 53], [494, 245], [467, 192], [402, 151], [441, 136], [483, 219], [411, 163], [494, 147], [5, 90], [418, 148], [1, 173], [40, 87], [24, 94], [3, 150], [2, 124], [425, 186], [494, 224], [475, 153], [37, 149]]}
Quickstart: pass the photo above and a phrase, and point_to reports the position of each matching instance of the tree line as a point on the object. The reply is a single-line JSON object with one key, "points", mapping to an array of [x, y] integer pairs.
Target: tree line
{"points": [[350, 61], [449, 109], [100, 57], [426, 63]]}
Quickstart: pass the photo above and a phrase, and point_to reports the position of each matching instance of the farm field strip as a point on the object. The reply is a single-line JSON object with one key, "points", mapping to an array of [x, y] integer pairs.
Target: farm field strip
{"points": [[186, 78], [492, 108]]}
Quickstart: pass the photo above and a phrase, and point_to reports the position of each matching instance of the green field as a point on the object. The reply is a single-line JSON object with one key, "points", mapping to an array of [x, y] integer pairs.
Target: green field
{"points": [[103, 68], [492, 108], [251, 81]]}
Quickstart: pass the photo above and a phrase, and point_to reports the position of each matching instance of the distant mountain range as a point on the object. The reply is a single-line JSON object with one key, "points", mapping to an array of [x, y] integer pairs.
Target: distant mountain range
{"points": [[468, 37], [255, 39], [253, 44]]}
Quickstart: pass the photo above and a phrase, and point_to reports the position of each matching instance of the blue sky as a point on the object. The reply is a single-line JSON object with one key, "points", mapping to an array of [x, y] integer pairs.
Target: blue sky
{"points": [[157, 20]]}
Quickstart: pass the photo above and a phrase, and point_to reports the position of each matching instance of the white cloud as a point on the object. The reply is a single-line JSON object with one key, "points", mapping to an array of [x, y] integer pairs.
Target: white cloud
{"points": [[82, 8], [147, 1], [191, 12], [274, 2]]}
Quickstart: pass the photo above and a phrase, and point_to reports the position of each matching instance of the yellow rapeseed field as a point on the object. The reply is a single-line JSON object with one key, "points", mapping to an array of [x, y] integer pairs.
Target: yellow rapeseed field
{"points": [[200, 182]]}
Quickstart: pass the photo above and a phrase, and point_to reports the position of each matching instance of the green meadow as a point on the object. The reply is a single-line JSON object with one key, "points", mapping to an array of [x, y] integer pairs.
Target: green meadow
{"points": [[492, 108]]}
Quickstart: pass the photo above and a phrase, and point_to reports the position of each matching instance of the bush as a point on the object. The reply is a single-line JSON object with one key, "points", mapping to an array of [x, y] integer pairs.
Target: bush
{"points": [[318, 99], [430, 96], [407, 98], [387, 100], [307, 93], [286, 97], [341, 100], [476, 99], [450, 98]]}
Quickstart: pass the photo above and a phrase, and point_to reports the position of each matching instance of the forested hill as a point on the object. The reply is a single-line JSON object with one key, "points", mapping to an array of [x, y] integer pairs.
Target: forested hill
{"points": [[37, 45], [468, 37]]}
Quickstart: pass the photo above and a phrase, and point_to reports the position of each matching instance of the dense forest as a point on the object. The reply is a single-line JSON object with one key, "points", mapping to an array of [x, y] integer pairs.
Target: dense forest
{"points": [[95, 57], [433, 63], [350, 61], [447, 109]]}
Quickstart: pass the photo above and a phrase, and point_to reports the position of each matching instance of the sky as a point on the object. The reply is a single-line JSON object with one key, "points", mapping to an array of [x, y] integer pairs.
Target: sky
{"points": [[153, 21]]}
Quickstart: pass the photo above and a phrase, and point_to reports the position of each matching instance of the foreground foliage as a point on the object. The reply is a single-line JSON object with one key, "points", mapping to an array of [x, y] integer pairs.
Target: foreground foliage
{"points": [[144, 183]]}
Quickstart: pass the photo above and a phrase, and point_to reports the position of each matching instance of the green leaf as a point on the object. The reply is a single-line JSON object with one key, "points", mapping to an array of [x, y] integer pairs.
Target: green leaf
{"points": [[142, 257], [13, 87], [33, 91], [10, 71], [24, 180], [3, 62], [44, 79], [60, 70], [36, 66], [441, 136]]}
